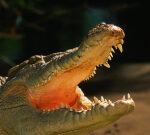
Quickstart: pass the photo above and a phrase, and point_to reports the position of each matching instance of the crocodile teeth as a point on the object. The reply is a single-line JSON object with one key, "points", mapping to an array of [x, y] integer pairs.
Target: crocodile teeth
{"points": [[109, 102], [70, 109], [106, 100], [120, 47], [124, 98], [106, 65], [87, 79], [66, 106], [112, 50], [62, 105], [91, 75], [102, 99], [96, 101], [128, 96], [116, 47], [109, 57], [94, 72], [121, 41]]}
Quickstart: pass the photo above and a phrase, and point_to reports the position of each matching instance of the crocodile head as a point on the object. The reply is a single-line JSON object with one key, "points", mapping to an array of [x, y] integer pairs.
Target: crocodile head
{"points": [[50, 92]]}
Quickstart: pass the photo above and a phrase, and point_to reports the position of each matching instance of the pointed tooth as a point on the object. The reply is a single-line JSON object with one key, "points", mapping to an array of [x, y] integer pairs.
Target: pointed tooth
{"points": [[109, 102], [71, 109], [62, 105], [106, 100], [111, 54], [96, 101], [109, 57], [120, 47], [112, 50], [129, 97], [116, 47], [87, 79], [121, 41], [124, 98], [66, 106], [49, 77], [106, 65], [102, 98]]}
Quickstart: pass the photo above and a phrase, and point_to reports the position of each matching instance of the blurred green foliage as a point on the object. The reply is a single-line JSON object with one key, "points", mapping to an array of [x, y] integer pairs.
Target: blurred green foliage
{"points": [[30, 27], [10, 48]]}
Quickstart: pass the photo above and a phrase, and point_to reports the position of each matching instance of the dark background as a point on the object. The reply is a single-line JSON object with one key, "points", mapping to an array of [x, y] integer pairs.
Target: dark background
{"points": [[29, 27]]}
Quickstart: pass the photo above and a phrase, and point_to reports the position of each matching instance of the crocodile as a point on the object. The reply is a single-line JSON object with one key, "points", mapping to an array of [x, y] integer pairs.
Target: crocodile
{"points": [[41, 95]]}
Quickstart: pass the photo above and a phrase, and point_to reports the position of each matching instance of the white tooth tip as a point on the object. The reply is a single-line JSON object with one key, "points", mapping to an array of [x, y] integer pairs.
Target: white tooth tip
{"points": [[120, 47], [112, 50], [124, 98], [102, 98], [109, 57], [109, 102], [71, 109], [96, 101], [116, 47], [129, 97], [106, 65], [62, 105], [66, 106]]}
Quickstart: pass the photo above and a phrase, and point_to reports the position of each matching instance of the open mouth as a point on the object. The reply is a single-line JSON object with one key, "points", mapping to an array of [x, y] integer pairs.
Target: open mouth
{"points": [[62, 90]]}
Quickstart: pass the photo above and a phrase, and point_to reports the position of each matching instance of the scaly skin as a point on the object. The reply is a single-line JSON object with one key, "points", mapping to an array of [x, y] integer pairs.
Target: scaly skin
{"points": [[41, 95]]}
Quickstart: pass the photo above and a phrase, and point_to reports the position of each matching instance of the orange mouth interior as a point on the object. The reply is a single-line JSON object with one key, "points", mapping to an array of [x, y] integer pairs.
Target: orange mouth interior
{"points": [[55, 98], [62, 90]]}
